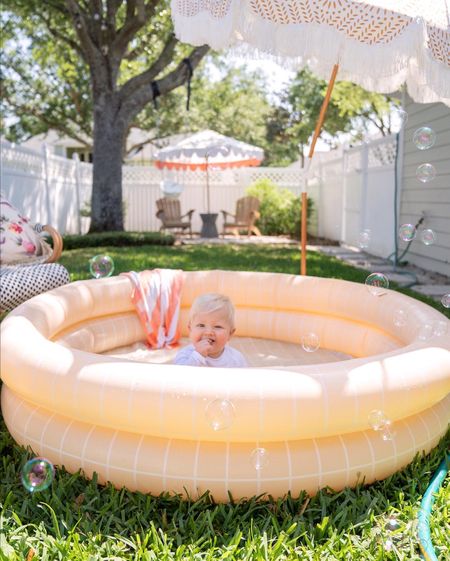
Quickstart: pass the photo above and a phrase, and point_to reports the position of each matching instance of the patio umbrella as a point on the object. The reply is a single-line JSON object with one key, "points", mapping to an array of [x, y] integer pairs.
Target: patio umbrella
{"points": [[206, 149], [377, 44]]}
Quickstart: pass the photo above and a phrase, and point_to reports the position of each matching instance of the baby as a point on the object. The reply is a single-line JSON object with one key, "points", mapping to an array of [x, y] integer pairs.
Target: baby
{"points": [[211, 326]]}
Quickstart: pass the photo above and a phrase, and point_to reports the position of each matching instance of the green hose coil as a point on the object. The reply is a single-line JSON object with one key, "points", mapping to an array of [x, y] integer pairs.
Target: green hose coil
{"points": [[425, 544]]}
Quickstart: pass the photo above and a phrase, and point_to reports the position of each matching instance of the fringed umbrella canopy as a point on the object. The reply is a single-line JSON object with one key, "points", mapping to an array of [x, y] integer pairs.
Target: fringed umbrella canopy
{"points": [[205, 150], [378, 44], [208, 148]]}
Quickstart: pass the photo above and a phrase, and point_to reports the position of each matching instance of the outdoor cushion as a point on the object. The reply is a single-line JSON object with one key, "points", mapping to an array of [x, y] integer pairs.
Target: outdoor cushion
{"points": [[20, 243], [18, 284]]}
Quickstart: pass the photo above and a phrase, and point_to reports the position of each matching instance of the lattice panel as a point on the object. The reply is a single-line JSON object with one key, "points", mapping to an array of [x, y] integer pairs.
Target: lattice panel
{"points": [[283, 177], [141, 174], [382, 154]]}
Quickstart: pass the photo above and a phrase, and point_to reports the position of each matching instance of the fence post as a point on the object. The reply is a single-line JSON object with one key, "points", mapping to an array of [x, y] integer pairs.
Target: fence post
{"points": [[343, 234], [364, 184], [76, 161], [45, 152]]}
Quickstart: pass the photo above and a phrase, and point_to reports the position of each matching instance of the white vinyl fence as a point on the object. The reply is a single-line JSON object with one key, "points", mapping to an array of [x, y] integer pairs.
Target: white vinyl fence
{"points": [[352, 190]]}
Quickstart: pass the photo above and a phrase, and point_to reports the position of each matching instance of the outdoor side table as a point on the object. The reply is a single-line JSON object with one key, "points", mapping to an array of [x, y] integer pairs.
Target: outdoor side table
{"points": [[209, 228]]}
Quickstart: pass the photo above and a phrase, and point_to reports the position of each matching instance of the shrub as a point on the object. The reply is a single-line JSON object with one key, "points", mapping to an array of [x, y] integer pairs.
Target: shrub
{"points": [[117, 239], [280, 209]]}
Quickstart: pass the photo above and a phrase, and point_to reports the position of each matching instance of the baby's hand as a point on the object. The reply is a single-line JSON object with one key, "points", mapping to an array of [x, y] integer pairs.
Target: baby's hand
{"points": [[203, 347]]}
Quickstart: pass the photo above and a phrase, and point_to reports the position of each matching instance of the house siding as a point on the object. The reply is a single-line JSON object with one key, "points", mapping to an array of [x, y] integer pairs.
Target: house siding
{"points": [[431, 199]]}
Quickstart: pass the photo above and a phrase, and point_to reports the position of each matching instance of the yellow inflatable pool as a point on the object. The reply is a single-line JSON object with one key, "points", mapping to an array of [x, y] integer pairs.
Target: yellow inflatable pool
{"points": [[154, 426]]}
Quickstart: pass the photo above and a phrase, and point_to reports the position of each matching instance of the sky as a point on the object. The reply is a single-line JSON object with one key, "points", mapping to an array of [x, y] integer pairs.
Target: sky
{"points": [[277, 76]]}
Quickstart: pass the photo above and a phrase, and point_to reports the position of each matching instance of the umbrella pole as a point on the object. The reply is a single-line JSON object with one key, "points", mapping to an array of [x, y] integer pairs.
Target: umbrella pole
{"points": [[317, 130]]}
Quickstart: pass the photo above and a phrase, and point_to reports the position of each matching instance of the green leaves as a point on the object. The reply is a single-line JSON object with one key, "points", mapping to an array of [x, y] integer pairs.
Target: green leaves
{"points": [[280, 209], [351, 110]]}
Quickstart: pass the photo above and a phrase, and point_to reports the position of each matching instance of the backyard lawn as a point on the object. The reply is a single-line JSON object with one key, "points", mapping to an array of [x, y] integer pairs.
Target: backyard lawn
{"points": [[252, 257], [76, 519]]}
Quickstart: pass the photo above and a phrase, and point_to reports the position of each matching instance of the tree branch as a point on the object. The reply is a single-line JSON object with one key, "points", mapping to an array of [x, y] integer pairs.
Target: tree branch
{"points": [[88, 48], [136, 101], [132, 55], [111, 11], [379, 126], [144, 79], [138, 13], [180, 75], [56, 124], [140, 145], [58, 6], [60, 36]]}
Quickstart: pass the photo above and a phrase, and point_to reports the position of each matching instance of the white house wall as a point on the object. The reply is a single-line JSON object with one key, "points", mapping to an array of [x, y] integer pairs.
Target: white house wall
{"points": [[432, 199]]}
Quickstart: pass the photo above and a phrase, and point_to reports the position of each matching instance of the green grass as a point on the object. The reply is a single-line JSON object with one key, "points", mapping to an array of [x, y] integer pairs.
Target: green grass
{"points": [[77, 519], [253, 257]]}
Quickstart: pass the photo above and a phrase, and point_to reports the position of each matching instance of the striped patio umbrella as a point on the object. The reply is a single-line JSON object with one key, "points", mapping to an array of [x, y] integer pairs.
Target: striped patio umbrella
{"points": [[378, 44], [206, 149]]}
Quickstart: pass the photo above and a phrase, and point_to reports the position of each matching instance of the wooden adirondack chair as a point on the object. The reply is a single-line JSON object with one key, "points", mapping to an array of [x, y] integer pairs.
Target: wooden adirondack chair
{"points": [[169, 212], [247, 213]]}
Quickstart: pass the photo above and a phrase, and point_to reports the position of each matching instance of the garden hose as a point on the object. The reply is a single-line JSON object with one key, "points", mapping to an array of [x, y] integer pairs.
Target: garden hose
{"points": [[394, 254], [425, 544]]}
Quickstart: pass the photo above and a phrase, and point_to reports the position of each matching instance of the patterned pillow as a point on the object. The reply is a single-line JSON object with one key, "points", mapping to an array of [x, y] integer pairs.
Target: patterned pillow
{"points": [[19, 242]]}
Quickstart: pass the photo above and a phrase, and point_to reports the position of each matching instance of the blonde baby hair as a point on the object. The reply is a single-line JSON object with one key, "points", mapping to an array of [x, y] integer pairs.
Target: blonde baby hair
{"points": [[211, 302]]}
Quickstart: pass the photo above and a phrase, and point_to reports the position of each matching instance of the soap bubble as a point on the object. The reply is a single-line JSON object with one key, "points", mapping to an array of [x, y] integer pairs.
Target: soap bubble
{"points": [[101, 266], [364, 239], [378, 419], [392, 524], [220, 414], [400, 318], [259, 458], [424, 138], [37, 474], [377, 283], [428, 237], [310, 342], [440, 327], [426, 332], [171, 189], [387, 433], [407, 232], [426, 173], [445, 300]]}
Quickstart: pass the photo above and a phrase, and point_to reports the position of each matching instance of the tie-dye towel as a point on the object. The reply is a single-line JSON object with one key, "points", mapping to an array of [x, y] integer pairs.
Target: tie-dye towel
{"points": [[156, 295]]}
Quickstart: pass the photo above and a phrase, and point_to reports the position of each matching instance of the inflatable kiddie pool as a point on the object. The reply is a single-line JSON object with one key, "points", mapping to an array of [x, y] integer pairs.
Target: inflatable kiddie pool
{"points": [[159, 427]]}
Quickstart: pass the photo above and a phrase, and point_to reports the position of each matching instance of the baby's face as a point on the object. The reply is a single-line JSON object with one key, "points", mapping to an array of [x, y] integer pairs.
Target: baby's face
{"points": [[213, 326]]}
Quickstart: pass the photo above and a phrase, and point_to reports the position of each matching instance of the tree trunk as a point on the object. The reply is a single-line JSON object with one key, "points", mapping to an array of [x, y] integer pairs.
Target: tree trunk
{"points": [[109, 137]]}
